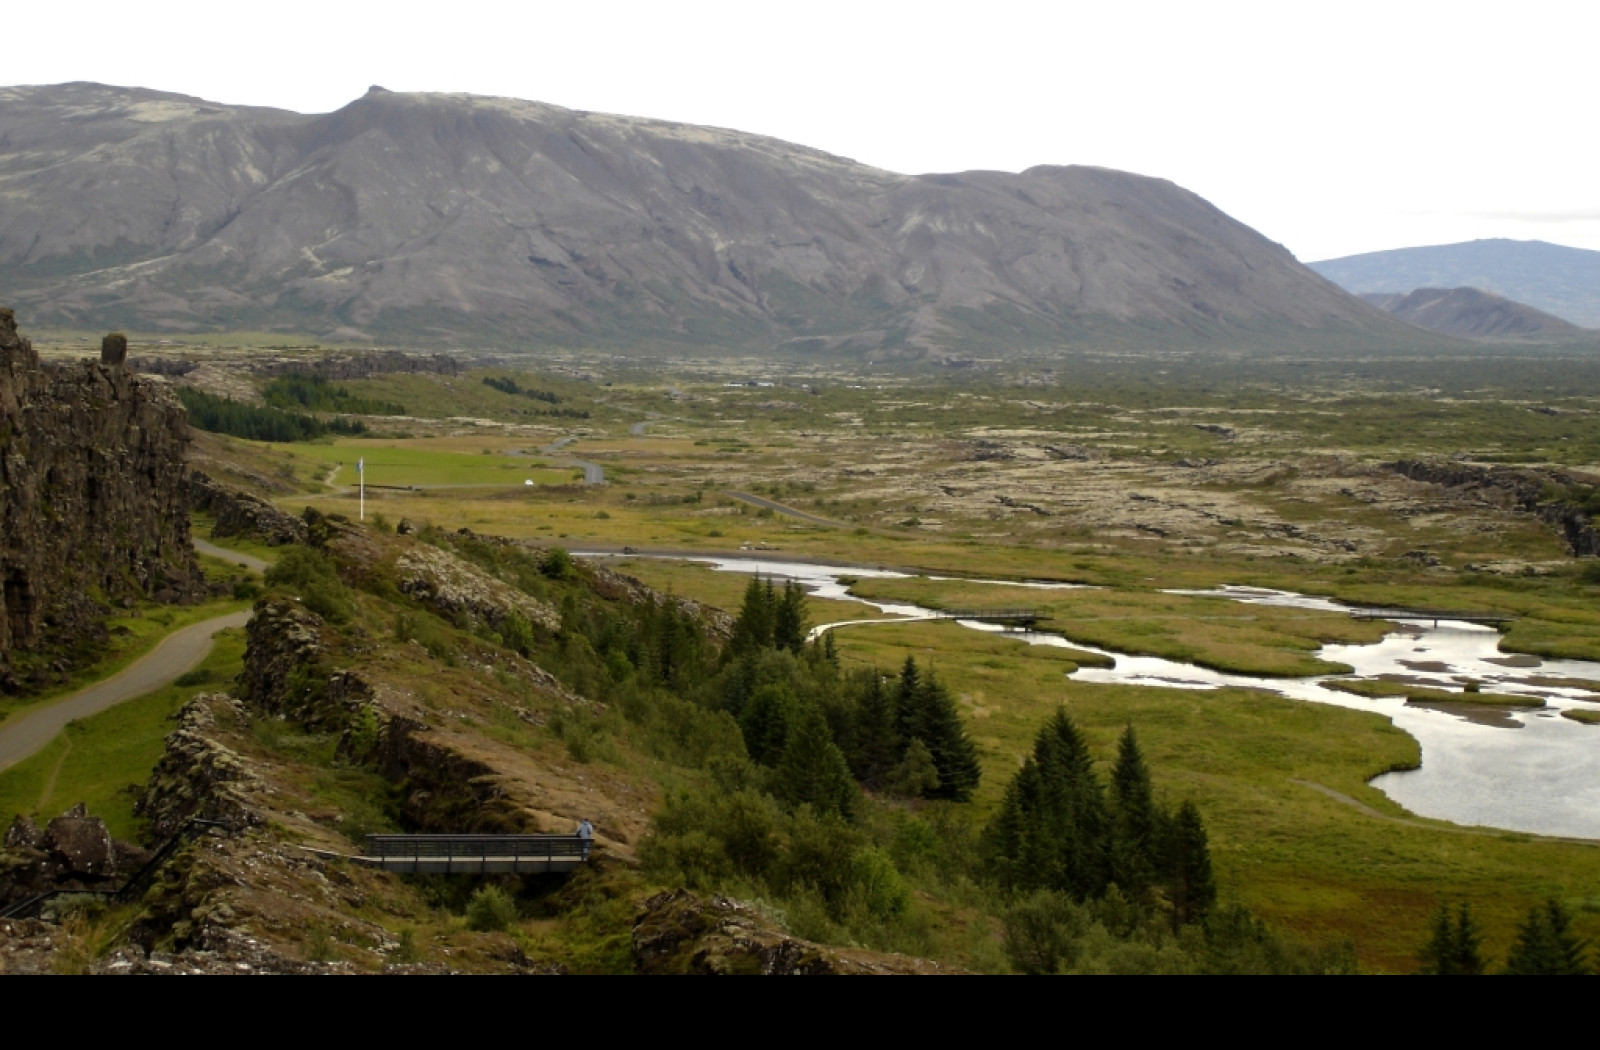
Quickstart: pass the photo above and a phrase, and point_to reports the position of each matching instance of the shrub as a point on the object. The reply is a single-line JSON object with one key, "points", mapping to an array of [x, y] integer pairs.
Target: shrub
{"points": [[311, 574], [491, 908]]}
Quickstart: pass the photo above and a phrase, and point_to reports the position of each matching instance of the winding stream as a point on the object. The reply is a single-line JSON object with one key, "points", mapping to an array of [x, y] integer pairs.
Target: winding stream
{"points": [[1519, 769]]}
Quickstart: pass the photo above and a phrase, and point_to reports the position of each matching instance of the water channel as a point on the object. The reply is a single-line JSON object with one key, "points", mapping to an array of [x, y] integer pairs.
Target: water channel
{"points": [[1521, 769]]}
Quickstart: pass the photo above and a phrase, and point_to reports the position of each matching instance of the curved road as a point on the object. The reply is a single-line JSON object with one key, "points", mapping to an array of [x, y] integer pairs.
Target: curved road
{"points": [[234, 557], [779, 508], [593, 473], [180, 651], [176, 653]]}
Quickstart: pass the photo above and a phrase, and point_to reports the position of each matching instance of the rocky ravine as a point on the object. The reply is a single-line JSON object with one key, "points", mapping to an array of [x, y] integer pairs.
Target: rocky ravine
{"points": [[93, 500]]}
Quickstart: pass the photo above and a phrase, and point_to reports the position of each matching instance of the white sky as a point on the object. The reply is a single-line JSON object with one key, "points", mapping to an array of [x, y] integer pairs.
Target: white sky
{"points": [[1332, 127]]}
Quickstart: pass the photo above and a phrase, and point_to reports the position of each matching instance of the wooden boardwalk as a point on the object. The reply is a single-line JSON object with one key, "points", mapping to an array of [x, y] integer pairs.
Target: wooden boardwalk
{"points": [[1385, 613], [1027, 619]]}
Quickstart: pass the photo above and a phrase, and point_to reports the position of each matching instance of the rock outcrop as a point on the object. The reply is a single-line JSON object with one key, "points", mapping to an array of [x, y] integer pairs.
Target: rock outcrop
{"points": [[681, 933], [1516, 488], [240, 513], [74, 851], [94, 508]]}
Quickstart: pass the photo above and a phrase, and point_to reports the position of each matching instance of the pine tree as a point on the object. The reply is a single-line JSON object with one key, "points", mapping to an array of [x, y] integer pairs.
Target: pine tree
{"points": [[878, 745], [935, 720], [1468, 949], [1438, 956], [1545, 944], [752, 629], [830, 651], [1135, 825], [1193, 887], [906, 710], [1076, 806], [789, 618], [765, 722], [812, 769]]}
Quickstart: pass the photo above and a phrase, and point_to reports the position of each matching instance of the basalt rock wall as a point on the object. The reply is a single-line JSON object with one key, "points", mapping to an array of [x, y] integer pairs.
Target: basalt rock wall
{"points": [[1522, 489], [93, 505]]}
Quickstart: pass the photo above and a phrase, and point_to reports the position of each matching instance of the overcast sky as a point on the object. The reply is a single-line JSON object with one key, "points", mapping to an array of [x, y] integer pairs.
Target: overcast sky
{"points": [[1333, 128]]}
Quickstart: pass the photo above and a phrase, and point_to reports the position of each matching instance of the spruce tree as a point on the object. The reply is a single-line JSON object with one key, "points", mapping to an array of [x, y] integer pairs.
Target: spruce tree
{"points": [[1076, 808], [1438, 956], [752, 629], [789, 618], [1467, 952], [906, 701], [1545, 944], [1135, 826], [812, 769], [878, 745], [937, 723], [765, 722], [1192, 885]]}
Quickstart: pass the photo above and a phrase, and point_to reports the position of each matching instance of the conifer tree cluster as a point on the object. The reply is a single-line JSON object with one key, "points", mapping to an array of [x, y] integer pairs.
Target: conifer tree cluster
{"points": [[1455, 947], [1545, 944], [769, 618], [899, 734], [1059, 829]]}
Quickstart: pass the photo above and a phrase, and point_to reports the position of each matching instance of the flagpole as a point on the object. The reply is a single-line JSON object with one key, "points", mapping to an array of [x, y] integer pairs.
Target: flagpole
{"points": [[361, 476]]}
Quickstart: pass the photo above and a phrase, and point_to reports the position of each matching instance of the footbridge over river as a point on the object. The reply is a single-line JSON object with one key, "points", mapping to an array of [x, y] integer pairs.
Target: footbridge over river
{"points": [[1026, 619], [476, 854], [1488, 619]]}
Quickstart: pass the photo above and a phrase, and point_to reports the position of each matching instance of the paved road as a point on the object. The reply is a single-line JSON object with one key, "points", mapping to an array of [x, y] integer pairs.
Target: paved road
{"points": [[178, 652], [247, 560], [593, 473], [773, 505]]}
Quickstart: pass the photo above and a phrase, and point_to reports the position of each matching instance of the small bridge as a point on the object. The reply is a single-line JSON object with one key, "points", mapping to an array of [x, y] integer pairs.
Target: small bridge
{"points": [[1488, 619], [1027, 619], [475, 854]]}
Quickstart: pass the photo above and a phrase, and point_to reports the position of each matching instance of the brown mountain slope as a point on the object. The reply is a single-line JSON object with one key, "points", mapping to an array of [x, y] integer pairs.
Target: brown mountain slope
{"points": [[1473, 313], [459, 218]]}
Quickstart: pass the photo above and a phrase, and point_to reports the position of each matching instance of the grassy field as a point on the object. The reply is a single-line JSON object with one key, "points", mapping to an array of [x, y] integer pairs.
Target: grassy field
{"points": [[104, 760], [408, 462]]}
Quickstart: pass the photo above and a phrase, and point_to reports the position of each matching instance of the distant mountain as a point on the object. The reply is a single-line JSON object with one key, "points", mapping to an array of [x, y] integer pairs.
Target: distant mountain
{"points": [[1472, 314], [1550, 277], [453, 218]]}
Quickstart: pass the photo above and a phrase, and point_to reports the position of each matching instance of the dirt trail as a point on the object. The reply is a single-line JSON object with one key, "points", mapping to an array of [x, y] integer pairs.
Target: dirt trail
{"points": [[26, 733]]}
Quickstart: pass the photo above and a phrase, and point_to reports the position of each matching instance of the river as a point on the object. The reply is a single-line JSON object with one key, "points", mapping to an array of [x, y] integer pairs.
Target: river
{"points": [[1520, 769]]}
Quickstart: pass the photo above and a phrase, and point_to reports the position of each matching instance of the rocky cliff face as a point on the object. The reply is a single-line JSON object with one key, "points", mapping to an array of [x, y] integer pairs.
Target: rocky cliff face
{"points": [[93, 503]]}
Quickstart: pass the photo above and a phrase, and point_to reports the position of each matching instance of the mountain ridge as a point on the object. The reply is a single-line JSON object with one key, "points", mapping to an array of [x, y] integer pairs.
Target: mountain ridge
{"points": [[1472, 313], [1554, 278], [455, 217]]}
